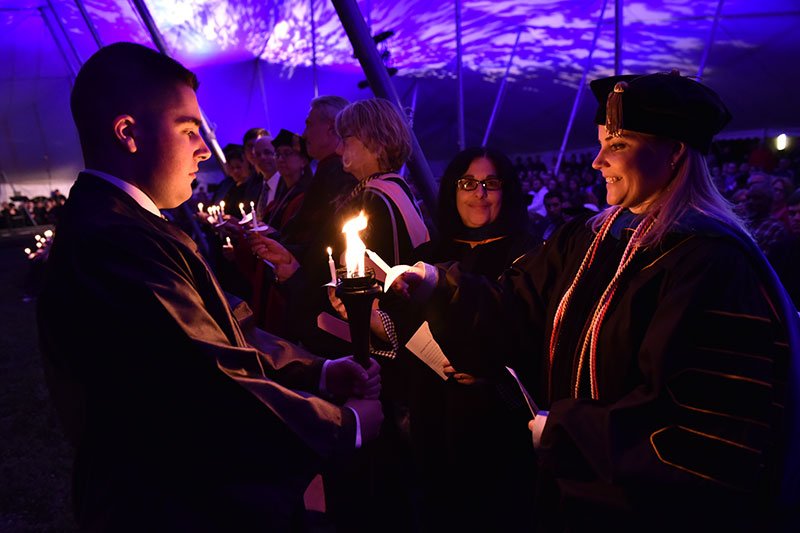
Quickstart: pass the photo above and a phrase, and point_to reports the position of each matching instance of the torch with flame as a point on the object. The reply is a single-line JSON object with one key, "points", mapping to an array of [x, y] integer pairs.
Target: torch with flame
{"points": [[354, 255]]}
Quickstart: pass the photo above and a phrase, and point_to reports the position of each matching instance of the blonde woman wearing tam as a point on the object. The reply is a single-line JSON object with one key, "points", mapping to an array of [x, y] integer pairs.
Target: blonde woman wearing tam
{"points": [[660, 336]]}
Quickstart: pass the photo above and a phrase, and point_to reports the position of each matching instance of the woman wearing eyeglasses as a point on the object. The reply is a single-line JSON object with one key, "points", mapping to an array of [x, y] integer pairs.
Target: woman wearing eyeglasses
{"points": [[474, 462], [667, 351]]}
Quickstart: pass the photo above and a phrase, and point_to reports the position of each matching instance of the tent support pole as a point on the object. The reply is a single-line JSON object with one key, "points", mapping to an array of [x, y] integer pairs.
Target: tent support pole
{"points": [[382, 87], [208, 133], [314, 49], [64, 31], [462, 144], [501, 91], [263, 92], [579, 95], [89, 24], [70, 66], [617, 37], [707, 49]]}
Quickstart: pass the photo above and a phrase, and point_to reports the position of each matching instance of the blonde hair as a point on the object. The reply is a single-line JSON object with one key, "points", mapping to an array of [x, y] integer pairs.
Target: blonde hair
{"points": [[691, 188], [379, 125]]}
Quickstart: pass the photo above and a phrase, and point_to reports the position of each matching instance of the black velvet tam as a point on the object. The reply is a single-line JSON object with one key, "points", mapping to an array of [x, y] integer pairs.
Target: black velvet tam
{"points": [[668, 105], [287, 138]]}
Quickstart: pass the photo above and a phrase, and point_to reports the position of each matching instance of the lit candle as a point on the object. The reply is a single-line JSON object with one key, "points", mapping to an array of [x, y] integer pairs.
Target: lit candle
{"points": [[38, 238], [228, 242], [380, 263], [331, 265], [241, 209], [38, 244], [28, 251], [199, 207], [48, 233], [222, 206], [253, 210], [354, 255]]}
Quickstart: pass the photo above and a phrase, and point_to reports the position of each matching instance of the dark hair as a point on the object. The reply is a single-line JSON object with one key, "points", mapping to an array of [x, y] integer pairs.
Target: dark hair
{"points": [[235, 152], [794, 198], [553, 194], [122, 78], [513, 213], [253, 134]]}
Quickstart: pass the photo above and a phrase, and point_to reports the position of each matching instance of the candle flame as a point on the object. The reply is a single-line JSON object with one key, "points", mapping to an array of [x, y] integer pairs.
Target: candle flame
{"points": [[28, 251], [354, 255], [222, 205], [48, 233], [200, 207]]}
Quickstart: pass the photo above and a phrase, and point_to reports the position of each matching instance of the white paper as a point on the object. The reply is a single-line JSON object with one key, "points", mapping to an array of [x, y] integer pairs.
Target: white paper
{"points": [[423, 345], [531, 405], [333, 325]]}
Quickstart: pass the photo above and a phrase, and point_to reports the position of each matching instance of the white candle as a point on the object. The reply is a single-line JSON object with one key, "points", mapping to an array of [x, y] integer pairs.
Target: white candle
{"points": [[228, 242], [241, 209], [48, 233], [331, 265], [199, 207], [380, 263], [354, 254], [38, 244], [253, 210], [222, 206], [38, 238], [27, 251]]}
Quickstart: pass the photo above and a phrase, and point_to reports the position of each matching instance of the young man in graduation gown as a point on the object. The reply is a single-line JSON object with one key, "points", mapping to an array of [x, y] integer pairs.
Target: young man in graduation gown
{"points": [[184, 419]]}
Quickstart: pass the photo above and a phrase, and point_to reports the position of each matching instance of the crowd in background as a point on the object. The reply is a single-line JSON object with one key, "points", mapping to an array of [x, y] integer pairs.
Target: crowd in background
{"points": [[36, 212]]}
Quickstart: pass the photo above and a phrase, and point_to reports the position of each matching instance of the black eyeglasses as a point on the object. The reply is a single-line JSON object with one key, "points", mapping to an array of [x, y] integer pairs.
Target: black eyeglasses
{"points": [[489, 184]]}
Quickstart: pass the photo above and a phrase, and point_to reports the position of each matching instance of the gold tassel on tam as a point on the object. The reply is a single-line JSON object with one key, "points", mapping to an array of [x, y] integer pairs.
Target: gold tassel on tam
{"points": [[614, 125]]}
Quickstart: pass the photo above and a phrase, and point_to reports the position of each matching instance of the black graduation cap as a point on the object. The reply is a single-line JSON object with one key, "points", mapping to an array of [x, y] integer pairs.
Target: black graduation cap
{"points": [[287, 138], [668, 105]]}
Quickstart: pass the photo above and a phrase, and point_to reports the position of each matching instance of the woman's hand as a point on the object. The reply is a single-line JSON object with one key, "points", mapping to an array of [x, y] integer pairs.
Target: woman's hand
{"points": [[460, 377], [274, 252]]}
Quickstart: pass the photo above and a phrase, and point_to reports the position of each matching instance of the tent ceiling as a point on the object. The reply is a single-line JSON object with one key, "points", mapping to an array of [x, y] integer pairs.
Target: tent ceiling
{"points": [[752, 63]]}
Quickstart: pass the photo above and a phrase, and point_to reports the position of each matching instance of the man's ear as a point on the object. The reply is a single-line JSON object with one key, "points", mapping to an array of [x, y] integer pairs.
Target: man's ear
{"points": [[124, 132]]}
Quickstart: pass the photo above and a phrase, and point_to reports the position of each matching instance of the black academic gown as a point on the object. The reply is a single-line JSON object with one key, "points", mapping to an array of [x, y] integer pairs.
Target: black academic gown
{"points": [[180, 423], [475, 463], [692, 366]]}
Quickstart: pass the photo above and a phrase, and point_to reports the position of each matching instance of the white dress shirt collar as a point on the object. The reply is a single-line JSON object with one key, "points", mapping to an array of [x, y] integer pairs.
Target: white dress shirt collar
{"points": [[131, 190]]}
